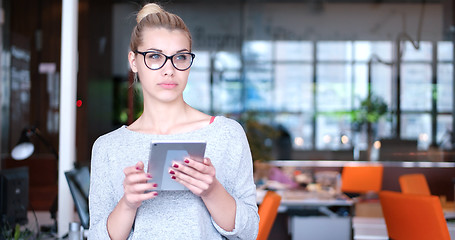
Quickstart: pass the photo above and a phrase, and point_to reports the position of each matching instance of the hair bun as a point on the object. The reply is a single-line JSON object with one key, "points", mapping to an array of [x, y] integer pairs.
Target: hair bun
{"points": [[149, 8]]}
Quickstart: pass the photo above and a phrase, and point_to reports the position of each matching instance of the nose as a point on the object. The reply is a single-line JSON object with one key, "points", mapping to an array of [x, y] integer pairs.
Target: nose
{"points": [[168, 68]]}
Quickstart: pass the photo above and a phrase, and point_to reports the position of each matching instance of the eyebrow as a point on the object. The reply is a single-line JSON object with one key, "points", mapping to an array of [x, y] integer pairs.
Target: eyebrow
{"points": [[161, 51]]}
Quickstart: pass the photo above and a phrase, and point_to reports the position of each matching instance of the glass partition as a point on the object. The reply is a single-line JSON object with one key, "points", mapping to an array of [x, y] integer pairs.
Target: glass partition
{"points": [[314, 89]]}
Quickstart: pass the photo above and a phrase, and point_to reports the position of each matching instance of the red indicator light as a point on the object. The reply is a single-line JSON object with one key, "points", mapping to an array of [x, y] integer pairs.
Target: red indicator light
{"points": [[79, 103]]}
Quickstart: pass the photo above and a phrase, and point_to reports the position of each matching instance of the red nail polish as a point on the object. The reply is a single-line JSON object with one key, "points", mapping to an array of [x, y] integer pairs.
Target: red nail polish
{"points": [[187, 161], [175, 165], [171, 172], [149, 175], [155, 185], [138, 168], [173, 177], [155, 193]]}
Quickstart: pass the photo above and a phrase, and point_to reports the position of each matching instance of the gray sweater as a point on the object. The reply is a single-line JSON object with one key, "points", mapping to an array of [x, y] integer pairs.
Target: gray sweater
{"points": [[174, 214]]}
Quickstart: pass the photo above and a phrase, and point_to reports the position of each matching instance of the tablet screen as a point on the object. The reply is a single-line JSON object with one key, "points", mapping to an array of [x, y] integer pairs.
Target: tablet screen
{"points": [[163, 153]]}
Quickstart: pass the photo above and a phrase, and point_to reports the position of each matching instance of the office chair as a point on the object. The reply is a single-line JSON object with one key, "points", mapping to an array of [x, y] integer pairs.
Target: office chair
{"points": [[414, 183], [79, 184], [361, 179], [267, 213], [413, 216]]}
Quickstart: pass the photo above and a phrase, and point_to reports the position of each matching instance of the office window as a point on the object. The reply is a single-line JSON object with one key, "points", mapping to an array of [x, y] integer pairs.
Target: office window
{"points": [[227, 61], [293, 51], [416, 93], [293, 87], [227, 92], [198, 82], [313, 86], [227, 84], [333, 87], [293, 76], [444, 94], [415, 87], [329, 130], [382, 82], [445, 87], [334, 51], [384, 128], [258, 87], [197, 91], [299, 126], [445, 51], [443, 136], [334, 92], [417, 126], [377, 51], [258, 51], [424, 53], [445, 77], [360, 81], [380, 55]]}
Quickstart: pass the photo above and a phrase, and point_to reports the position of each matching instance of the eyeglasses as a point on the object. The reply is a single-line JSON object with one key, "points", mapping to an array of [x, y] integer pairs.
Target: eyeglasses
{"points": [[156, 60]]}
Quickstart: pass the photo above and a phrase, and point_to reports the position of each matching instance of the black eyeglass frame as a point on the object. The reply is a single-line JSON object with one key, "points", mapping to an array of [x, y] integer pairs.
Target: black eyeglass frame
{"points": [[167, 57]]}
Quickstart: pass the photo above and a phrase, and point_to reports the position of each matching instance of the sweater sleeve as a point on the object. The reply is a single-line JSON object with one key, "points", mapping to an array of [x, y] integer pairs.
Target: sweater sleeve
{"points": [[244, 191], [101, 203]]}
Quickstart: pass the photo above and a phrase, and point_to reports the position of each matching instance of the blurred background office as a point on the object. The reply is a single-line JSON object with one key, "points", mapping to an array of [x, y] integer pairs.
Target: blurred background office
{"points": [[339, 79]]}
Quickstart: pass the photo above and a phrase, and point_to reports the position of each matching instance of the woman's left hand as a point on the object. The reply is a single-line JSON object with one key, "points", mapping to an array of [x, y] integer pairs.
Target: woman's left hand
{"points": [[198, 177]]}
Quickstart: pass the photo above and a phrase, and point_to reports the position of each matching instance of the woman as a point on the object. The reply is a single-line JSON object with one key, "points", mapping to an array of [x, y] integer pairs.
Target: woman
{"points": [[221, 201]]}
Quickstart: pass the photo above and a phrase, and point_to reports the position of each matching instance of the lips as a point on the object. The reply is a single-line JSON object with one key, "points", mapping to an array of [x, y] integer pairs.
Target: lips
{"points": [[168, 85]]}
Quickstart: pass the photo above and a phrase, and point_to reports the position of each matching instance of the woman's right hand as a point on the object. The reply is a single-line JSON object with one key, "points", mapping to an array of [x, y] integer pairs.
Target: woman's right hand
{"points": [[135, 186]]}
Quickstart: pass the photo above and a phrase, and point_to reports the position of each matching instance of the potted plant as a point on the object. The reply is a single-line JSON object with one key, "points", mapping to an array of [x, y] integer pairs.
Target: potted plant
{"points": [[371, 109], [17, 233], [260, 136]]}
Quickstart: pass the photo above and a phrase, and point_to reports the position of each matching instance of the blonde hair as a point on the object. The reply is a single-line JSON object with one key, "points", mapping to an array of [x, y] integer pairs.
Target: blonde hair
{"points": [[153, 16]]}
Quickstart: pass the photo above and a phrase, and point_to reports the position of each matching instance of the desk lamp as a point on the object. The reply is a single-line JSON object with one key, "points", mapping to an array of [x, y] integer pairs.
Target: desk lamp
{"points": [[24, 149]]}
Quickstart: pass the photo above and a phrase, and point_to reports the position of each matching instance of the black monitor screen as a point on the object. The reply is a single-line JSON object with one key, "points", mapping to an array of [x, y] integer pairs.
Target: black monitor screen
{"points": [[14, 186], [79, 184]]}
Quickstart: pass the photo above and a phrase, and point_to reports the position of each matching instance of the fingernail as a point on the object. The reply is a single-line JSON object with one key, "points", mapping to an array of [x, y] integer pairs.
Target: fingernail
{"points": [[187, 161], [175, 165], [173, 177], [171, 172], [155, 193], [155, 185], [138, 168], [149, 175]]}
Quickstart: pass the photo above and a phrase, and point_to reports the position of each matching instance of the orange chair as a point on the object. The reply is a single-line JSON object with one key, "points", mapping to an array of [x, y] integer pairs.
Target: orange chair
{"points": [[361, 179], [413, 216], [414, 183], [267, 213]]}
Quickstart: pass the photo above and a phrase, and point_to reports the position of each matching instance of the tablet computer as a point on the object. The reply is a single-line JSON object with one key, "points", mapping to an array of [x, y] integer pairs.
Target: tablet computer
{"points": [[163, 153]]}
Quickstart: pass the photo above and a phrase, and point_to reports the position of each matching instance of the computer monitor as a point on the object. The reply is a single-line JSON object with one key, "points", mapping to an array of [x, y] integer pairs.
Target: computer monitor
{"points": [[79, 183], [14, 187]]}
